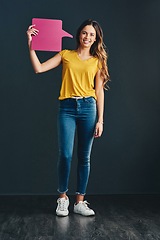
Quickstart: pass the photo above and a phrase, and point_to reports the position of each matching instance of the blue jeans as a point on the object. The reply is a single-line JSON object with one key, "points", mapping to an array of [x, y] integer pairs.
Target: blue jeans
{"points": [[75, 115]]}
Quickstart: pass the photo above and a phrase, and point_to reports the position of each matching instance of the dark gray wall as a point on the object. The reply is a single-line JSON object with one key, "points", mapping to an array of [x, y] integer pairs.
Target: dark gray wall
{"points": [[127, 157]]}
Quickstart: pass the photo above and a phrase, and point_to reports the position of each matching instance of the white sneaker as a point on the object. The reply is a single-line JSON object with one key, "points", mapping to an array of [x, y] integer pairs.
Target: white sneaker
{"points": [[62, 208], [83, 209]]}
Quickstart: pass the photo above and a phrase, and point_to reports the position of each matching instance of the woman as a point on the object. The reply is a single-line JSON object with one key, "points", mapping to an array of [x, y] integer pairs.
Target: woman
{"points": [[81, 106]]}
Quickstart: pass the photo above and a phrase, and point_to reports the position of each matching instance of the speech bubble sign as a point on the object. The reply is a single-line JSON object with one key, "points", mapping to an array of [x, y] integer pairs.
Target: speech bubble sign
{"points": [[50, 35]]}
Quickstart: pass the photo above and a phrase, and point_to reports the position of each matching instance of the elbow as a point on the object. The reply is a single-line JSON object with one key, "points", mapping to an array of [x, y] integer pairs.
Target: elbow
{"points": [[99, 92], [37, 71]]}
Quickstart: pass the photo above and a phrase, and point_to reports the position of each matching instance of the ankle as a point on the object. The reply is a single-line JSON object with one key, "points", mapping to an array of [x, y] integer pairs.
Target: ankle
{"points": [[79, 198], [63, 195]]}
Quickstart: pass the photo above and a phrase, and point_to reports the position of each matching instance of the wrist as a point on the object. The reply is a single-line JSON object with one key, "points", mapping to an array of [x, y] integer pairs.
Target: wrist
{"points": [[29, 44], [100, 121]]}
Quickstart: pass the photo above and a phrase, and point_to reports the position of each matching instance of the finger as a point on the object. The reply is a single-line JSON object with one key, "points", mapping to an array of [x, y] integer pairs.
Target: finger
{"points": [[34, 32], [96, 133], [32, 29], [31, 26]]}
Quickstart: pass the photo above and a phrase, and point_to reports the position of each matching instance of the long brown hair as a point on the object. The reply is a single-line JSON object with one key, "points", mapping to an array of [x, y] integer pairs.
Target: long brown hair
{"points": [[98, 48]]}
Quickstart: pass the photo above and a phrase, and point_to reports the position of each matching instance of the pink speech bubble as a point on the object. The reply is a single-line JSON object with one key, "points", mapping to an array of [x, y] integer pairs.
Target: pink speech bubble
{"points": [[50, 35]]}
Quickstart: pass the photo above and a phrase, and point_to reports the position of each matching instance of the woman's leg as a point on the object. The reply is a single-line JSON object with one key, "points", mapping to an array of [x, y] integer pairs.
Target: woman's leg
{"points": [[66, 133], [85, 131]]}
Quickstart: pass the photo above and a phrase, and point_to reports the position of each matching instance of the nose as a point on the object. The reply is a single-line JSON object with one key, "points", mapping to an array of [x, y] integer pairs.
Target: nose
{"points": [[86, 35]]}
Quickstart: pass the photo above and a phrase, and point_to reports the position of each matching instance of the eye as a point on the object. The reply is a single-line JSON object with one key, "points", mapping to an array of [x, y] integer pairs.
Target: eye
{"points": [[83, 32]]}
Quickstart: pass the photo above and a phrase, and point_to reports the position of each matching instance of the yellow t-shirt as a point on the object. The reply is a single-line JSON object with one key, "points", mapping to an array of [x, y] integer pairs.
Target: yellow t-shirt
{"points": [[77, 75]]}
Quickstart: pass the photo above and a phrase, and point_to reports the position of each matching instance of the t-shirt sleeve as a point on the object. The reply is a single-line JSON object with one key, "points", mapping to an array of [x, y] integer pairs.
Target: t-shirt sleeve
{"points": [[99, 65], [62, 53]]}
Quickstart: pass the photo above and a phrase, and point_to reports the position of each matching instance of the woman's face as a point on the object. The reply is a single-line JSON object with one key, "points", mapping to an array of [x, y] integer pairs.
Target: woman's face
{"points": [[87, 36]]}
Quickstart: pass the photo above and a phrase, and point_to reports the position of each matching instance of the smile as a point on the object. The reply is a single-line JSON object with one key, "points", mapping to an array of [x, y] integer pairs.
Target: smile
{"points": [[86, 41]]}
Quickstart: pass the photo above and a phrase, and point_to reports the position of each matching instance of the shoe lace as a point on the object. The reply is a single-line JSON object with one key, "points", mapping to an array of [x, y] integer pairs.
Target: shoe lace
{"points": [[62, 204], [85, 203]]}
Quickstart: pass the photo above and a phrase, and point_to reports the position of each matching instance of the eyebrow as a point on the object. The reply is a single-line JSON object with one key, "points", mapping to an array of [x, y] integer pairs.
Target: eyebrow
{"points": [[88, 32]]}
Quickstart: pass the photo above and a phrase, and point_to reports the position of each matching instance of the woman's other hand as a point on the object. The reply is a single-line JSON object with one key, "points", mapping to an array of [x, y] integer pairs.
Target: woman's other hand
{"points": [[98, 129]]}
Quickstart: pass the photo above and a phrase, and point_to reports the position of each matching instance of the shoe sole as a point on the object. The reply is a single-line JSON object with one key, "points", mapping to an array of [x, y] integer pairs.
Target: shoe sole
{"points": [[93, 214], [62, 215]]}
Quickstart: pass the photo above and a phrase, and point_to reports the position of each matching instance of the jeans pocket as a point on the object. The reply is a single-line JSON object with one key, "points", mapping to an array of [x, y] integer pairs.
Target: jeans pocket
{"points": [[65, 103], [90, 100]]}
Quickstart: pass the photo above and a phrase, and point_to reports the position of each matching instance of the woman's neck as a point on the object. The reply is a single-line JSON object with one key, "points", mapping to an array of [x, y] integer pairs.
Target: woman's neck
{"points": [[85, 52]]}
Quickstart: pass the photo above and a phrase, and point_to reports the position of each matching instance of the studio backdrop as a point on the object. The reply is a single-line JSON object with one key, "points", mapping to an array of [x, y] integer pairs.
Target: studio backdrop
{"points": [[126, 159]]}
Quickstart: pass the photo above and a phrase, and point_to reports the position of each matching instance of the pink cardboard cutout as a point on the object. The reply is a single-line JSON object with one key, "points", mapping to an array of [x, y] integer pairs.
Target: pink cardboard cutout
{"points": [[50, 35]]}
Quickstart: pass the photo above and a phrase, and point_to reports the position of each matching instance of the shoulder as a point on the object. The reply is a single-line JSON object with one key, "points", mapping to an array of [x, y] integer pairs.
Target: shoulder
{"points": [[66, 52], [98, 62]]}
